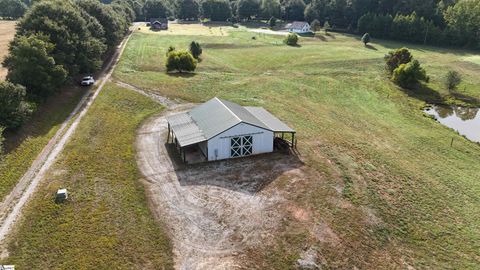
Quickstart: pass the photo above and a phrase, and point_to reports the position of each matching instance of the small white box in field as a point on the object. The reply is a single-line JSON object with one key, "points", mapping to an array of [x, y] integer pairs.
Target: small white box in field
{"points": [[61, 196], [7, 267]]}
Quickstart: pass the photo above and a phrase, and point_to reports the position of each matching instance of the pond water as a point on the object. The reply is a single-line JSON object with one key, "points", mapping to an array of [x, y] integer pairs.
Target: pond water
{"points": [[462, 119]]}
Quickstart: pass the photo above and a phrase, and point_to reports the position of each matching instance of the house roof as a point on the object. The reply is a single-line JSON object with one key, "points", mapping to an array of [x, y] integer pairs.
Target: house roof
{"points": [[297, 25], [158, 20], [215, 116]]}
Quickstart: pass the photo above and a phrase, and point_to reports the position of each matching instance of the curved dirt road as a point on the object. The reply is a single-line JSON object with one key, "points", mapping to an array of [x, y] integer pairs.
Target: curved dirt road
{"points": [[12, 205], [213, 211]]}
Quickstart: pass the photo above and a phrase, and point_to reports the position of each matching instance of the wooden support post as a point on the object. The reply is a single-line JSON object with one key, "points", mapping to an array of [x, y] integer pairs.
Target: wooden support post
{"points": [[168, 135], [451, 143], [184, 156], [293, 139]]}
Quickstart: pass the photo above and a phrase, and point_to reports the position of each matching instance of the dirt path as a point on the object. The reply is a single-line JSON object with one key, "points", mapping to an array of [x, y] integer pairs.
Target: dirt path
{"points": [[214, 211], [11, 207]]}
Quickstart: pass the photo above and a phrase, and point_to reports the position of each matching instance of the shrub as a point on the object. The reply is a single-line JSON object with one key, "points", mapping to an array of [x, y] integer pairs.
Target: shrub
{"points": [[366, 39], [408, 75], [195, 49], [181, 61], [315, 25], [14, 110], [395, 58], [170, 49], [291, 39], [452, 80]]}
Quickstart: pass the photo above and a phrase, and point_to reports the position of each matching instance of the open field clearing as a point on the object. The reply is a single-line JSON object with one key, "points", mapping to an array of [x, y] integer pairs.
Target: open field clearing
{"points": [[106, 224], [188, 29], [380, 186], [7, 31]]}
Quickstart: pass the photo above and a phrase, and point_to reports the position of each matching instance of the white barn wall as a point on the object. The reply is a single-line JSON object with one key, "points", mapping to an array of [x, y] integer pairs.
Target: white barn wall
{"points": [[262, 141]]}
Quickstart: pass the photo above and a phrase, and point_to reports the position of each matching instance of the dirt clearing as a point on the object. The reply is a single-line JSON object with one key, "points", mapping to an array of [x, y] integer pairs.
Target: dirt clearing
{"points": [[189, 29], [7, 31], [214, 211]]}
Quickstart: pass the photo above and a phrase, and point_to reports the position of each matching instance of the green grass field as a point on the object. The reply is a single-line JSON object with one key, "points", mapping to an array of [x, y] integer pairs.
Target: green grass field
{"points": [[381, 175], [25, 144], [381, 187], [106, 223]]}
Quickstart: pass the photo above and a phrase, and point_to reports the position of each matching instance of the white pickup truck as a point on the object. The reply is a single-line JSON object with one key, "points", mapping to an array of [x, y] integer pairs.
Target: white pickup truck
{"points": [[87, 81]]}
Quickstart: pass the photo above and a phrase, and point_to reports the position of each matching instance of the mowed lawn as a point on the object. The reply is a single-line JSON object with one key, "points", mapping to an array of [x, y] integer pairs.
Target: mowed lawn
{"points": [[381, 178], [106, 223]]}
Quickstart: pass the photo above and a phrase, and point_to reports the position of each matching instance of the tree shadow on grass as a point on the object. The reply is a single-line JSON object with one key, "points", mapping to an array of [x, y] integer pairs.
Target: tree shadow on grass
{"points": [[182, 74], [466, 98], [332, 36], [49, 114], [371, 47], [424, 93], [321, 37]]}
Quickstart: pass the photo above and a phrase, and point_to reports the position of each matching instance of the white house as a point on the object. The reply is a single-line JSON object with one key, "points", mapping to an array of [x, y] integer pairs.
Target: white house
{"points": [[221, 129], [299, 27]]}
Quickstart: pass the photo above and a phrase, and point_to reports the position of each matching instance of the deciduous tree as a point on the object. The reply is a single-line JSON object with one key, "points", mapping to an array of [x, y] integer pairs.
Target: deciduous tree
{"points": [[30, 64], [396, 58], [14, 109], [187, 9], [216, 10], [410, 74]]}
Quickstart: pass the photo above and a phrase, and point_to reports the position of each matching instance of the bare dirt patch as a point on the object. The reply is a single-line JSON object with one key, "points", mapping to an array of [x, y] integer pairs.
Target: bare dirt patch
{"points": [[214, 211], [7, 31], [188, 29]]}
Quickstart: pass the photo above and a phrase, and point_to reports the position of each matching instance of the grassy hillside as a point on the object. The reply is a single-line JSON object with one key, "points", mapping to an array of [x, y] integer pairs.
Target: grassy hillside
{"points": [[382, 186], [106, 223]]}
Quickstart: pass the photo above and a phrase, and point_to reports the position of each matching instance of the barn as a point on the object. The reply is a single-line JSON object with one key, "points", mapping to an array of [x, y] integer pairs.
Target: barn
{"points": [[219, 129]]}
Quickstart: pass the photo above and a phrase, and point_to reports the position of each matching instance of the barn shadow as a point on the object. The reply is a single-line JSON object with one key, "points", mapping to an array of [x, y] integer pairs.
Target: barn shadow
{"points": [[248, 175]]}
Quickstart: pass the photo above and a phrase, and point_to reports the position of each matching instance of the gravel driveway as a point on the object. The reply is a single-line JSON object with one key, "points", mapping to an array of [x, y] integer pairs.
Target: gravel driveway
{"points": [[213, 210]]}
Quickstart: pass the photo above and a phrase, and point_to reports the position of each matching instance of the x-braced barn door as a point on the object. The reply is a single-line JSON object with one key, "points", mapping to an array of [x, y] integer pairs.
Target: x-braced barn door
{"points": [[241, 146]]}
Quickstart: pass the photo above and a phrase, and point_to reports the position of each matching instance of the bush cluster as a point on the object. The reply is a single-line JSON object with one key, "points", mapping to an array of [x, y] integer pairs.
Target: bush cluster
{"points": [[404, 70], [291, 39]]}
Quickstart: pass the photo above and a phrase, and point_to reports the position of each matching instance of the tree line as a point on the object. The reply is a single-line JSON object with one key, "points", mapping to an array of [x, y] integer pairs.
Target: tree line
{"points": [[56, 41], [436, 22]]}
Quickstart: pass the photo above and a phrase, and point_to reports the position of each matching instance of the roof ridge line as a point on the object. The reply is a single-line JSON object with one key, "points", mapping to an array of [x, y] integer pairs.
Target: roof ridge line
{"points": [[256, 116], [226, 107]]}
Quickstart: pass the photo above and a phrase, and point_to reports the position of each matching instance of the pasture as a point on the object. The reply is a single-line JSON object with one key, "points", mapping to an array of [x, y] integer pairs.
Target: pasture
{"points": [[379, 186], [384, 188], [7, 31]]}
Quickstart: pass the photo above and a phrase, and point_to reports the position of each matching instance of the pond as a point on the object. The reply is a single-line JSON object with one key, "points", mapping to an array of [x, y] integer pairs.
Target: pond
{"points": [[462, 119]]}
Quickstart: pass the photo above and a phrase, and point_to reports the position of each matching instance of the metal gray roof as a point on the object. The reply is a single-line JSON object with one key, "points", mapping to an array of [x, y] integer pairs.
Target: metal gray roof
{"points": [[272, 122], [297, 25], [185, 129], [215, 116]]}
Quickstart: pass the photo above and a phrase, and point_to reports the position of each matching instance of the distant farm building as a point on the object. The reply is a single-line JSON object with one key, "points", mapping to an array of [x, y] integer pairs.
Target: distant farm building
{"points": [[299, 27], [220, 129], [159, 23]]}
